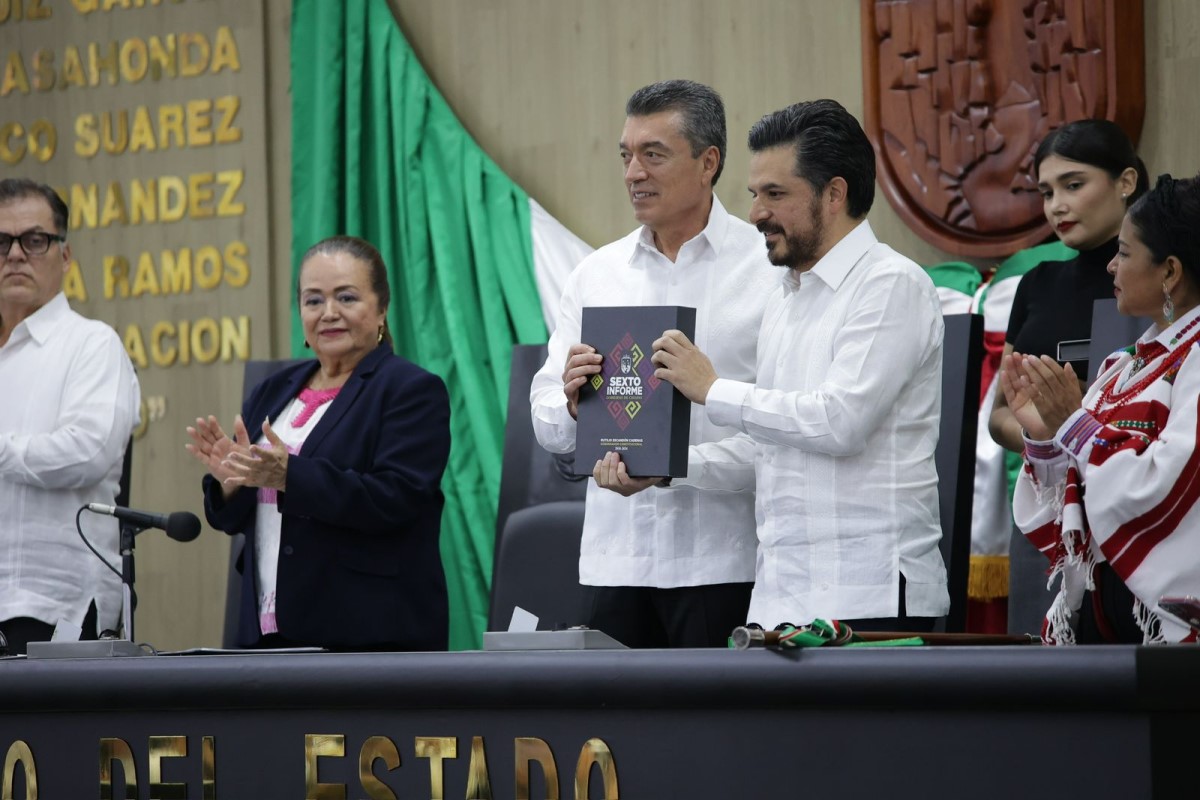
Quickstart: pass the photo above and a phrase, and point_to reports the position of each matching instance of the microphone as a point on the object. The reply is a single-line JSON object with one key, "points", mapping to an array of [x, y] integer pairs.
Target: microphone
{"points": [[182, 526]]}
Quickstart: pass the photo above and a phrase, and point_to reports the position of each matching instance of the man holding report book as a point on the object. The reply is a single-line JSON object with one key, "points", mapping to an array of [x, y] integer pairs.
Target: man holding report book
{"points": [[671, 567]]}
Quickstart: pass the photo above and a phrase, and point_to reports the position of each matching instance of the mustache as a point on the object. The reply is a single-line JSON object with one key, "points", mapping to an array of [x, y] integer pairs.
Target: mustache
{"points": [[766, 228]]}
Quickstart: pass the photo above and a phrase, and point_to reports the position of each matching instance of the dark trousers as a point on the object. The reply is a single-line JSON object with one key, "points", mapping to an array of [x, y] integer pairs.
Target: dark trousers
{"points": [[18, 632], [688, 616]]}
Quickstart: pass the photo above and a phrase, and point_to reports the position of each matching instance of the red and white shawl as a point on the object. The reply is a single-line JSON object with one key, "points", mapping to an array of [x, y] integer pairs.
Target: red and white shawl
{"points": [[1120, 483]]}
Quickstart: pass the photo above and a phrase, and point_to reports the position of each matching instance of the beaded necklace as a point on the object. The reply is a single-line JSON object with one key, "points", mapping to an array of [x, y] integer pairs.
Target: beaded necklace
{"points": [[1112, 400]]}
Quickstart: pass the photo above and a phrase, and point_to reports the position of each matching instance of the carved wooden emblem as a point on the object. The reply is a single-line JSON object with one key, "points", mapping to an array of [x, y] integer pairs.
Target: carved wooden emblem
{"points": [[960, 92]]}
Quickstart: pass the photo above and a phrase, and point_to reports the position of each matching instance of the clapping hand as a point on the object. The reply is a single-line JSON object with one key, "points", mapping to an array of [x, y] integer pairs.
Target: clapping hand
{"points": [[1041, 394], [264, 467], [211, 446]]}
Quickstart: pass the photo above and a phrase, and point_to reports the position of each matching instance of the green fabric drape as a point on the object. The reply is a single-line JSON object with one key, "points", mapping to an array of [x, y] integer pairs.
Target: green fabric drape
{"points": [[377, 153]]}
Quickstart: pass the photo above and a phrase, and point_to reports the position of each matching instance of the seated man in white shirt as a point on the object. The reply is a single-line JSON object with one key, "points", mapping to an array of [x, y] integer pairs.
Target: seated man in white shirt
{"points": [[68, 405], [842, 422], [670, 568]]}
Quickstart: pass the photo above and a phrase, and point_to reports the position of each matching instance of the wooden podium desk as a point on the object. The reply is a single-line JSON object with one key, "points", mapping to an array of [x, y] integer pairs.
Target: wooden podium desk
{"points": [[955, 722]]}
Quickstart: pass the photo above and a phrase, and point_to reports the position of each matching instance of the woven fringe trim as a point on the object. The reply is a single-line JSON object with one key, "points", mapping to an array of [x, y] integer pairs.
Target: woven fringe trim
{"points": [[988, 578], [1058, 622], [1148, 622]]}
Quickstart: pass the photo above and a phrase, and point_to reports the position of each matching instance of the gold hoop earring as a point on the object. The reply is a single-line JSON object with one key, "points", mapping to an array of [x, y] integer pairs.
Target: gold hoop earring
{"points": [[380, 339]]}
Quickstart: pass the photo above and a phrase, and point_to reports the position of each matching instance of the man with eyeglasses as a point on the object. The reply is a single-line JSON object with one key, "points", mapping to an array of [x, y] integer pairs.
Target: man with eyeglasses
{"points": [[68, 404]]}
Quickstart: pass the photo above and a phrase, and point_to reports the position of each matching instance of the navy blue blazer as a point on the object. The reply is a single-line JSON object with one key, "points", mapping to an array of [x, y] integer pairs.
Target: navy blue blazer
{"points": [[359, 564]]}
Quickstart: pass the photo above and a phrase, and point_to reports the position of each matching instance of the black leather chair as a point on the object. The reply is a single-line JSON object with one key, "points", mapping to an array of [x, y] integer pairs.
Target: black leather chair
{"points": [[962, 361], [1111, 330], [537, 567], [529, 475], [532, 478], [255, 373]]}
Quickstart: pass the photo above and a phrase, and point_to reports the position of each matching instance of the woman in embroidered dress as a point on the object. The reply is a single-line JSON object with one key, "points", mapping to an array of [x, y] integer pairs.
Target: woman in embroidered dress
{"points": [[340, 496], [1111, 480]]}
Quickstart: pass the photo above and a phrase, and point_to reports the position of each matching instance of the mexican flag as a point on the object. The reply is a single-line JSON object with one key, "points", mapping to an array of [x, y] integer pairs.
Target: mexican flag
{"points": [[475, 264]]}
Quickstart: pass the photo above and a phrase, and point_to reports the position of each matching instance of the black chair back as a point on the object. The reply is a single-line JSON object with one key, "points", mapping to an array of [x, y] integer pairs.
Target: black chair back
{"points": [[1111, 330], [962, 362], [537, 567]]}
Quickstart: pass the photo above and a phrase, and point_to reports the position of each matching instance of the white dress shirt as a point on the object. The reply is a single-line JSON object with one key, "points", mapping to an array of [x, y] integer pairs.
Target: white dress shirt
{"points": [[675, 537], [841, 428], [68, 403]]}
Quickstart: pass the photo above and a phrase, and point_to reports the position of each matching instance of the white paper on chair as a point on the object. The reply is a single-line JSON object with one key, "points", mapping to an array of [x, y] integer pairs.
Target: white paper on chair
{"points": [[522, 621]]}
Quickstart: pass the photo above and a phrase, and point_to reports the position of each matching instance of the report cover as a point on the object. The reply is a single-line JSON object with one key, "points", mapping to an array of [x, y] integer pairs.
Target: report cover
{"points": [[625, 408]]}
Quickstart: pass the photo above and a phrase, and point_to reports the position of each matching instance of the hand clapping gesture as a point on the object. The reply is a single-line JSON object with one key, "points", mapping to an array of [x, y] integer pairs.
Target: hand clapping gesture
{"points": [[211, 446], [1040, 393], [258, 466]]}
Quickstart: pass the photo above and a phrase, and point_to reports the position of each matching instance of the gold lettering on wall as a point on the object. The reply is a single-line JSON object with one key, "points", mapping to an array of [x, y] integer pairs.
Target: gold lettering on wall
{"points": [[18, 753], [16, 10], [595, 751], [116, 751], [318, 746], [188, 54], [176, 272], [167, 198], [436, 748], [88, 6], [73, 285], [203, 341], [196, 123], [377, 748], [529, 749], [39, 141]]}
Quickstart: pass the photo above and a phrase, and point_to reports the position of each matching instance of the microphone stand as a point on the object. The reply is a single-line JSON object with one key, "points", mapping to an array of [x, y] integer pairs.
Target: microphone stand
{"points": [[104, 648], [128, 598]]}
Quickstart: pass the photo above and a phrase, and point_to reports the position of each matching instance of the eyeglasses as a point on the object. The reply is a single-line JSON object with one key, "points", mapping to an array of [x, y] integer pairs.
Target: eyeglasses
{"points": [[34, 243]]}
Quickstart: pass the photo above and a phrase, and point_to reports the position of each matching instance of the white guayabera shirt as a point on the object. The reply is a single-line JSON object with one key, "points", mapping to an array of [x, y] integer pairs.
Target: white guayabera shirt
{"points": [[666, 538], [68, 404], [841, 428]]}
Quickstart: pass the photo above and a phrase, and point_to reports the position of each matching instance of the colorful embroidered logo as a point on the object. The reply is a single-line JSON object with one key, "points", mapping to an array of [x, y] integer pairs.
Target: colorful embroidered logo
{"points": [[630, 380]]}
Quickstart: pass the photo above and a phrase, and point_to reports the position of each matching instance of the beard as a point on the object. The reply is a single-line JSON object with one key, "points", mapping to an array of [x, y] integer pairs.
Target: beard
{"points": [[796, 249]]}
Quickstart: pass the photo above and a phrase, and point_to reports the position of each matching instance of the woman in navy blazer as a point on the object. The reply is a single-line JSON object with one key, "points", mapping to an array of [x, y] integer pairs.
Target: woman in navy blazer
{"points": [[340, 499]]}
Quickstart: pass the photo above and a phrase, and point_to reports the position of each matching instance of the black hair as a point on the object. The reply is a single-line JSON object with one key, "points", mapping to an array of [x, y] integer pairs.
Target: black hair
{"points": [[828, 142], [364, 251], [1167, 218], [20, 188], [701, 107], [1097, 143]]}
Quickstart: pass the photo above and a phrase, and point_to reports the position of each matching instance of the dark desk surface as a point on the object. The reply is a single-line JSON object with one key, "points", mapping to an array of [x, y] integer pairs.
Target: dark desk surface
{"points": [[900, 722]]}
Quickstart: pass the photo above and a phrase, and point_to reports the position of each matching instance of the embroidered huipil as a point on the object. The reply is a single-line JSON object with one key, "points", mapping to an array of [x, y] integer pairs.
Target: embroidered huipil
{"points": [[68, 403], [841, 429], [675, 537], [1119, 483], [294, 425]]}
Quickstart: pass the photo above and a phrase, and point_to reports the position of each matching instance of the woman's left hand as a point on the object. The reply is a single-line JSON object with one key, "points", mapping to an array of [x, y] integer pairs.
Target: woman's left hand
{"points": [[1055, 391], [263, 467]]}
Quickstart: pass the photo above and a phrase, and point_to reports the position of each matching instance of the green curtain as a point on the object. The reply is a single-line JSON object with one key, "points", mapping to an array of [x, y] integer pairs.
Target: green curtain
{"points": [[377, 153]]}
